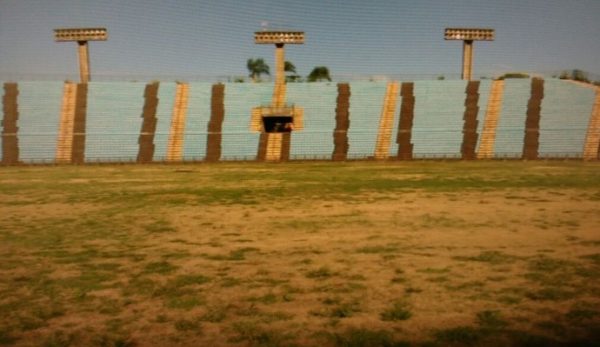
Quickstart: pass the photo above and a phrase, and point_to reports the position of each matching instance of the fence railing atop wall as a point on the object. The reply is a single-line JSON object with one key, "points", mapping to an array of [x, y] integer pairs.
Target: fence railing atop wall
{"points": [[56, 122], [336, 77]]}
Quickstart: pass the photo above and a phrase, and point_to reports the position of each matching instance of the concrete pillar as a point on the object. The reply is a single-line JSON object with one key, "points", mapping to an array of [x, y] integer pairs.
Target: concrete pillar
{"points": [[64, 142], [279, 90], [467, 59], [84, 61], [79, 125], [407, 113], [342, 123], [591, 149], [470, 123], [531, 141], [386, 121], [177, 131], [10, 140], [215, 125], [492, 115], [146, 138]]}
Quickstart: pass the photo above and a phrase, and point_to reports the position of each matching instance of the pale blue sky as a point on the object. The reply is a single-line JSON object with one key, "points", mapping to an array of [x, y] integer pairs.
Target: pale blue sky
{"points": [[202, 39]]}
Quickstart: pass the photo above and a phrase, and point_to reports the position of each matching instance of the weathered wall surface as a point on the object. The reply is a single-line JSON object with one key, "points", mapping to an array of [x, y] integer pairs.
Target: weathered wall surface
{"points": [[39, 106], [565, 115], [511, 124], [120, 121], [319, 103]]}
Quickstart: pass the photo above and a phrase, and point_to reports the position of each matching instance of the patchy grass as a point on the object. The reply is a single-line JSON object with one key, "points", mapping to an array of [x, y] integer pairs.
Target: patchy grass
{"points": [[364, 338], [320, 273], [255, 334], [344, 254], [160, 267], [398, 311], [463, 335], [491, 320], [489, 257]]}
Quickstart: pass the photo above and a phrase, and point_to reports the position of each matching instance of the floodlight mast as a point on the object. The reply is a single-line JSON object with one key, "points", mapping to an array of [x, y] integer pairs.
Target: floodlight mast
{"points": [[279, 38], [467, 36], [81, 36]]}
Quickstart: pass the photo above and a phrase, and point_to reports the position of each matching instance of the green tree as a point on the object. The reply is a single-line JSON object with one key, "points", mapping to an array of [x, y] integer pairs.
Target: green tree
{"points": [[257, 67], [319, 73], [579, 75], [575, 75], [513, 75], [291, 68]]}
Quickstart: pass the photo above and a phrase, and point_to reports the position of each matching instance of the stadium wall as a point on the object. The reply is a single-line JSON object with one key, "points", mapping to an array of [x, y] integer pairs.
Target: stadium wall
{"points": [[52, 122]]}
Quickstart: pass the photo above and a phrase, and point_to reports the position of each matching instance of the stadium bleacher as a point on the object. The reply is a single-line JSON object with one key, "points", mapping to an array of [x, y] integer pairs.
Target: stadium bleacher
{"points": [[114, 110]]}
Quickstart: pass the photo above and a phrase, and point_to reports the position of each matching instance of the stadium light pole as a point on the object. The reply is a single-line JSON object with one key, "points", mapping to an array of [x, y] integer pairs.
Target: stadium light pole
{"points": [[81, 36], [467, 36], [280, 39]]}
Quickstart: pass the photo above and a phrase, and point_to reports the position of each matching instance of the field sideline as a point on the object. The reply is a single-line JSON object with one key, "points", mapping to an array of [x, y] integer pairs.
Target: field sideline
{"points": [[301, 254]]}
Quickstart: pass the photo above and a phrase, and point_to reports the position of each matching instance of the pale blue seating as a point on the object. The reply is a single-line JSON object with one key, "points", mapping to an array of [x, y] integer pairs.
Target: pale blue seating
{"points": [[510, 131], [238, 142], [113, 121], [565, 114], [197, 118], [366, 102], [39, 105], [318, 100], [164, 112], [438, 118]]}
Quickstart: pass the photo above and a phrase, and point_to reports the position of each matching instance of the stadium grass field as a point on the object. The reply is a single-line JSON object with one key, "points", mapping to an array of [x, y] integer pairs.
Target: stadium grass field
{"points": [[301, 254]]}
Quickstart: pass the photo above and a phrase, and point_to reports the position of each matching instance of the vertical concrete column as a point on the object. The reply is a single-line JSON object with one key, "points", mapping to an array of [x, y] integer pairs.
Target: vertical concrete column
{"points": [[279, 90], [342, 123], [215, 125], [64, 143], [492, 114], [146, 138], [10, 141], [467, 59], [79, 121], [263, 142], [591, 148], [286, 144], [175, 145], [470, 121], [84, 61], [405, 147], [531, 141], [386, 121]]}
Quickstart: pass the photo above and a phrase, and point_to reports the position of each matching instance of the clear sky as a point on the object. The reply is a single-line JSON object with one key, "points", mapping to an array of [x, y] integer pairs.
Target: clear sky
{"points": [[203, 39]]}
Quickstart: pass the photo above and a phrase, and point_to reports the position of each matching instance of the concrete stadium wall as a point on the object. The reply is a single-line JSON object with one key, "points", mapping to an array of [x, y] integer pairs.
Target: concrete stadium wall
{"points": [[113, 121], [565, 114], [119, 122], [39, 110], [485, 87], [166, 99], [238, 141], [438, 123], [318, 100], [511, 125], [198, 115], [366, 103]]}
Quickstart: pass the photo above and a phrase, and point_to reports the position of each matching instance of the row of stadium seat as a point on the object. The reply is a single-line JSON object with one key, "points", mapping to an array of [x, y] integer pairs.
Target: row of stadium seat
{"points": [[114, 118]]}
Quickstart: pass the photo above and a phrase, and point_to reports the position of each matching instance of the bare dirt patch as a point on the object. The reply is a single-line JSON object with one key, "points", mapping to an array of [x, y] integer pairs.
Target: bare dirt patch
{"points": [[462, 267]]}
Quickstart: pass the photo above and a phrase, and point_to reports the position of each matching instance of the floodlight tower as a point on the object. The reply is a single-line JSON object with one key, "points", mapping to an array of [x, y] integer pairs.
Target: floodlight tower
{"points": [[468, 35], [81, 36], [279, 38]]}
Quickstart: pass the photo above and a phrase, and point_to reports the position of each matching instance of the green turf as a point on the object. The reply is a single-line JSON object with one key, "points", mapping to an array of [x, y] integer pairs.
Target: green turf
{"points": [[93, 255]]}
